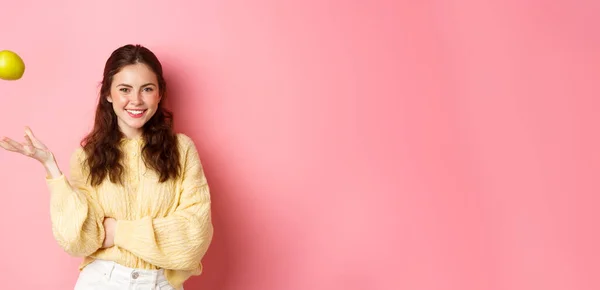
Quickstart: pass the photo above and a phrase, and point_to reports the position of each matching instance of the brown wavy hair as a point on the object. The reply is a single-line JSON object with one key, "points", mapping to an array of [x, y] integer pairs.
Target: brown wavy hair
{"points": [[101, 145]]}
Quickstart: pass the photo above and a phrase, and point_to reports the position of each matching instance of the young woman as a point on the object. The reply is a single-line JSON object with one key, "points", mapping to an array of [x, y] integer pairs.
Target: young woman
{"points": [[137, 205]]}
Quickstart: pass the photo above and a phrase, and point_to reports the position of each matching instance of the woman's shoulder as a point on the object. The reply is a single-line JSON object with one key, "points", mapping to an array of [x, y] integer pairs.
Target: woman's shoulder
{"points": [[78, 158], [187, 149], [183, 139], [185, 142], [78, 153]]}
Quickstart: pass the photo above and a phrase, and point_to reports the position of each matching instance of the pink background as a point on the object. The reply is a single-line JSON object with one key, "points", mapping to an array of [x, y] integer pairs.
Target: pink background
{"points": [[349, 144]]}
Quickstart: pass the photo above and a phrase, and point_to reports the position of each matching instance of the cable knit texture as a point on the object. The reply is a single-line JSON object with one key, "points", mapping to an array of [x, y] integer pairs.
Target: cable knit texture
{"points": [[159, 225]]}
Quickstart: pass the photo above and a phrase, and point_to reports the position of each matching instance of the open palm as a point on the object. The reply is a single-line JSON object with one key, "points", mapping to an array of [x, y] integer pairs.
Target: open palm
{"points": [[32, 147]]}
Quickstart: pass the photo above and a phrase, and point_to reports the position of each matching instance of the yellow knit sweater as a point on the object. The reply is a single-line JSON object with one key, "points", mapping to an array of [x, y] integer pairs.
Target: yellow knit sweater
{"points": [[159, 225]]}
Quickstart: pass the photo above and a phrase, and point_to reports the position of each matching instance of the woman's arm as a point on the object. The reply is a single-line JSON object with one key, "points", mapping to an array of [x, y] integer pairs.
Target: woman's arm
{"points": [[180, 240], [76, 216], [74, 212]]}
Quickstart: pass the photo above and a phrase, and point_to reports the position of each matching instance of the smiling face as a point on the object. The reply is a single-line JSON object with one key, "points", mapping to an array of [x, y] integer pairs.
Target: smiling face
{"points": [[135, 95]]}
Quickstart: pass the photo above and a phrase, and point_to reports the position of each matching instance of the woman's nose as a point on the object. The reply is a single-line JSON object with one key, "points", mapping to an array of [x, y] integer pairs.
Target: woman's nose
{"points": [[136, 98]]}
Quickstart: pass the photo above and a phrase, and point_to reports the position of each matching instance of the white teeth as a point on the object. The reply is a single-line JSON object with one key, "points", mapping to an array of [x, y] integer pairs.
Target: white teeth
{"points": [[135, 112]]}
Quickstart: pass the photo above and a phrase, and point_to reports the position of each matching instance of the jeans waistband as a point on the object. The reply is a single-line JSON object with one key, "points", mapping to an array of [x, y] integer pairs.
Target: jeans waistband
{"points": [[115, 271]]}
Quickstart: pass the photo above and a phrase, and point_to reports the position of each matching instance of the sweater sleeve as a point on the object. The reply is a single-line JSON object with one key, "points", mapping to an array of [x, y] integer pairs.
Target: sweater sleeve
{"points": [[180, 240], [77, 218]]}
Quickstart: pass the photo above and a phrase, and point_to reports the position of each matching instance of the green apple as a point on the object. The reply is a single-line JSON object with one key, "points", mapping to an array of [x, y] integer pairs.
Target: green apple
{"points": [[12, 66]]}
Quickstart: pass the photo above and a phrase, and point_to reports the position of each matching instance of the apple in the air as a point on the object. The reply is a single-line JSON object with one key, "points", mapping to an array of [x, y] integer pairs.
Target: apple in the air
{"points": [[12, 66]]}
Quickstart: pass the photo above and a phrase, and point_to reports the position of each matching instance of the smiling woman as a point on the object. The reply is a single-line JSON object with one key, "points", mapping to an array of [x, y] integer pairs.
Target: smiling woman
{"points": [[137, 206], [135, 97]]}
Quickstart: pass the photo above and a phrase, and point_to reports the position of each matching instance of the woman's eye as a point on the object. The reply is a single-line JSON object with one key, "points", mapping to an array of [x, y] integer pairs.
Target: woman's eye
{"points": [[148, 89], [124, 90]]}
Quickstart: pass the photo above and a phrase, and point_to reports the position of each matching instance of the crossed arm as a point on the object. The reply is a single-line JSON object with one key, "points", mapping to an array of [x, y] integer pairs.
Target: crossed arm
{"points": [[177, 241]]}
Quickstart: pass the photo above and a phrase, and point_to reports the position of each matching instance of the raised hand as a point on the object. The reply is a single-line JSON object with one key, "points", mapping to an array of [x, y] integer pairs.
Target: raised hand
{"points": [[32, 147]]}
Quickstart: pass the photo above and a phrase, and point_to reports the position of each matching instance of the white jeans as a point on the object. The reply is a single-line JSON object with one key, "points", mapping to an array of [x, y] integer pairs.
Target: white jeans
{"points": [[108, 275]]}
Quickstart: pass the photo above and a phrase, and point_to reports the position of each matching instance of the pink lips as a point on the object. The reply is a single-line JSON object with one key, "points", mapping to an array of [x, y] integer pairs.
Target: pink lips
{"points": [[136, 115]]}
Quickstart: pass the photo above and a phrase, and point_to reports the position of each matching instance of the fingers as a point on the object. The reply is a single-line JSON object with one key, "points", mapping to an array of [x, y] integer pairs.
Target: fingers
{"points": [[28, 141], [6, 146], [12, 145], [32, 139], [29, 148], [9, 144]]}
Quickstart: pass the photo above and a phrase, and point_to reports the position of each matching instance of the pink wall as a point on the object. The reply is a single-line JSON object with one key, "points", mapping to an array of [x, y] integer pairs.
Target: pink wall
{"points": [[418, 145]]}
